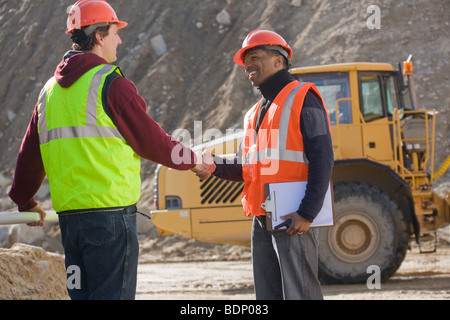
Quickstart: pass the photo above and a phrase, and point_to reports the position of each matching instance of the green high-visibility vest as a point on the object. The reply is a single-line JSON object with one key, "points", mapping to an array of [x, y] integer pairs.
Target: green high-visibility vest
{"points": [[88, 163]]}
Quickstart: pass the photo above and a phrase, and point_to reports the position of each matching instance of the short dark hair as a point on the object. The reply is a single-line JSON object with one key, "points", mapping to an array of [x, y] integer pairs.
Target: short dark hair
{"points": [[274, 53], [81, 42]]}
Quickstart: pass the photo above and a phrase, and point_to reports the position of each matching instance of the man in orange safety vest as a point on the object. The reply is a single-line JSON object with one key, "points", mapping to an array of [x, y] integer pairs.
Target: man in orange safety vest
{"points": [[287, 138]]}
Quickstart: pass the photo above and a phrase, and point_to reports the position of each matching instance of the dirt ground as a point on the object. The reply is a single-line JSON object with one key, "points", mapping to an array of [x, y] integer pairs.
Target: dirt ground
{"points": [[421, 276]]}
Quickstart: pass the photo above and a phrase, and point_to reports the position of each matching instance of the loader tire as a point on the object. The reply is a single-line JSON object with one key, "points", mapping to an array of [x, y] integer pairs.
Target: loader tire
{"points": [[369, 230]]}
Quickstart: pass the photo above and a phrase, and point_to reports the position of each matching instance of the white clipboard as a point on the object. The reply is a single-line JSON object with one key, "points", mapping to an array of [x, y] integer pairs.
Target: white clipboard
{"points": [[285, 197]]}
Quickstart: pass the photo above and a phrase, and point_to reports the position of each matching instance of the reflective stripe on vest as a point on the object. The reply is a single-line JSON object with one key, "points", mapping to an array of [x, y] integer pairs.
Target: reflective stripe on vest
{"points": [[91, 129], [280, 153]]}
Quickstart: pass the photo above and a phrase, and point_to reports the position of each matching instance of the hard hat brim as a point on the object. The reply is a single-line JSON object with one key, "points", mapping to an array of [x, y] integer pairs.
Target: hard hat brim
{"points": [[120, 25], [239, 56]]}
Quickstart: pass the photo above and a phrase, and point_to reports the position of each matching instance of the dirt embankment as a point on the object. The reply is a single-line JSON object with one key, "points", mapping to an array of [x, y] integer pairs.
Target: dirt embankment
{"points": [[30, 273]]}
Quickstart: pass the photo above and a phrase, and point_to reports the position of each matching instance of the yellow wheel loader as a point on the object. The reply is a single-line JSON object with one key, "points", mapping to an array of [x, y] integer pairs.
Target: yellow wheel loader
{"points": [[382, 177]]}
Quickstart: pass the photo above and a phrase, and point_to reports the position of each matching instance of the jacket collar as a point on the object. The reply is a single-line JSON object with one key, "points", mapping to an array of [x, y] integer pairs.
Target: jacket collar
{"points": [[272, 86]]}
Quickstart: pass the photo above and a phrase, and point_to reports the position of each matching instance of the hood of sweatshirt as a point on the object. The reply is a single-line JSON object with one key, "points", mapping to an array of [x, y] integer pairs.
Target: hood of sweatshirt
{"points": [[74, 65]]}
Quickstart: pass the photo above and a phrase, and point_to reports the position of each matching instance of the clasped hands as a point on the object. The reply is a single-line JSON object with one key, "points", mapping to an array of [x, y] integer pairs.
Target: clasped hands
{"points": [[205, 165]]}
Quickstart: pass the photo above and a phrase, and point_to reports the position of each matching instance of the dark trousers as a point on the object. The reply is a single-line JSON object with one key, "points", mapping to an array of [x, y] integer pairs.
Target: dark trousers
{"points": [[285, 266], [101, 253]]}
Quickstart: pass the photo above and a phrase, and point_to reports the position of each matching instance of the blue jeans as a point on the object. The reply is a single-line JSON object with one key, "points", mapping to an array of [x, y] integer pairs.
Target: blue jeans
{"points": [[101, 253], [285, 266]]}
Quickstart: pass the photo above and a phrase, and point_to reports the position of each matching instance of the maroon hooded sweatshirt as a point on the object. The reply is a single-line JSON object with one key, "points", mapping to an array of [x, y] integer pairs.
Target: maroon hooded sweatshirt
{"points": [[128, 111]]}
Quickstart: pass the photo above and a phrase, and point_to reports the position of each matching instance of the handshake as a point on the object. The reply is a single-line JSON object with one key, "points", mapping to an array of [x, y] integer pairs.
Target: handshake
{"points": [[205, 165]]}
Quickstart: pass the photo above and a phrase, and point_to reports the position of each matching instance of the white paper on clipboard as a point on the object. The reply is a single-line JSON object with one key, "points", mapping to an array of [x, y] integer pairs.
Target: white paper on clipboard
{"points": [[285, 197]]}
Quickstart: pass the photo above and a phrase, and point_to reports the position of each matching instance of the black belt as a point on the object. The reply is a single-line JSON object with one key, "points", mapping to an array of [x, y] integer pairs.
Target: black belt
{"points": [[126, 210]]}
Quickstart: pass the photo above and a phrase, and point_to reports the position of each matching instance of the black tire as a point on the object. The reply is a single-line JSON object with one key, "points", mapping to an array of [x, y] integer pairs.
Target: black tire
{"points": [[369, 230]]}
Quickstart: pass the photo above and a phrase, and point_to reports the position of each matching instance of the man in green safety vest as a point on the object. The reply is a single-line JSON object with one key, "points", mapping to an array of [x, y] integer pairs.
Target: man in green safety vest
{"points": [[87, 133]]}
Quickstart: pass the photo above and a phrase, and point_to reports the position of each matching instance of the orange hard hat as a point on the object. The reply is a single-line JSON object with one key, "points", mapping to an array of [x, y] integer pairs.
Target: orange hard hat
{"points": [[266, 38], [91, 12]]}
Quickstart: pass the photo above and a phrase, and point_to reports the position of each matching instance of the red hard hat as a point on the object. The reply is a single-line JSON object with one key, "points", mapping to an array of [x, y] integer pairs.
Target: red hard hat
{"points": [[88, 12], [262, 38]]}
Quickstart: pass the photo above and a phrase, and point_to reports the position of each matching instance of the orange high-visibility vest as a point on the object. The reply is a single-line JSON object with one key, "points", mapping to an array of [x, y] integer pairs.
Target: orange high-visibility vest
{"points": [[276, 152]]}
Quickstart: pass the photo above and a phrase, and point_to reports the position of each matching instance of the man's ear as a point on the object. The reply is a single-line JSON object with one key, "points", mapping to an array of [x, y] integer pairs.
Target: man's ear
{"points": [[278, 61], [99, 38]]}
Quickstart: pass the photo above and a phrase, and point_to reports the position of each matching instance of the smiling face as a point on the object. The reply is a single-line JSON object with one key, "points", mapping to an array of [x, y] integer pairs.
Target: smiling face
{"points": [[261, 64]]}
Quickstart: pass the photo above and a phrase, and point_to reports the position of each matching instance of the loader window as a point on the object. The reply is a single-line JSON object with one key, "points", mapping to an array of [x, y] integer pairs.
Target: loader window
{"points": [[332, 86], [391, 96], [372, 106], [378, 94], [173, 202]]}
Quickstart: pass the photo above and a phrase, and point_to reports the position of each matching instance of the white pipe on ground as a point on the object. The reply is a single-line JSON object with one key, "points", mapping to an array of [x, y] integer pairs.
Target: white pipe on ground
{"points": [[26, 217]]}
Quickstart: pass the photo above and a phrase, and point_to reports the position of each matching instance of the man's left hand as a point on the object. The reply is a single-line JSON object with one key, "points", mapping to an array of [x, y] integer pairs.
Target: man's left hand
{"points": [[299, 224], [42, 213]]}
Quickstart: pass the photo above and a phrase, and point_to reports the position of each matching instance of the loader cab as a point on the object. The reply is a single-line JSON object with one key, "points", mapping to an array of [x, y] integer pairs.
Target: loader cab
{"points": [[360, 99], [356, 92]]}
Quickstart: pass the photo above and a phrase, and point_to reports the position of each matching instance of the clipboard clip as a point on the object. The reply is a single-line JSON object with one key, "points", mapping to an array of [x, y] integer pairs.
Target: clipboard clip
{"points": [[269, 205]]}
